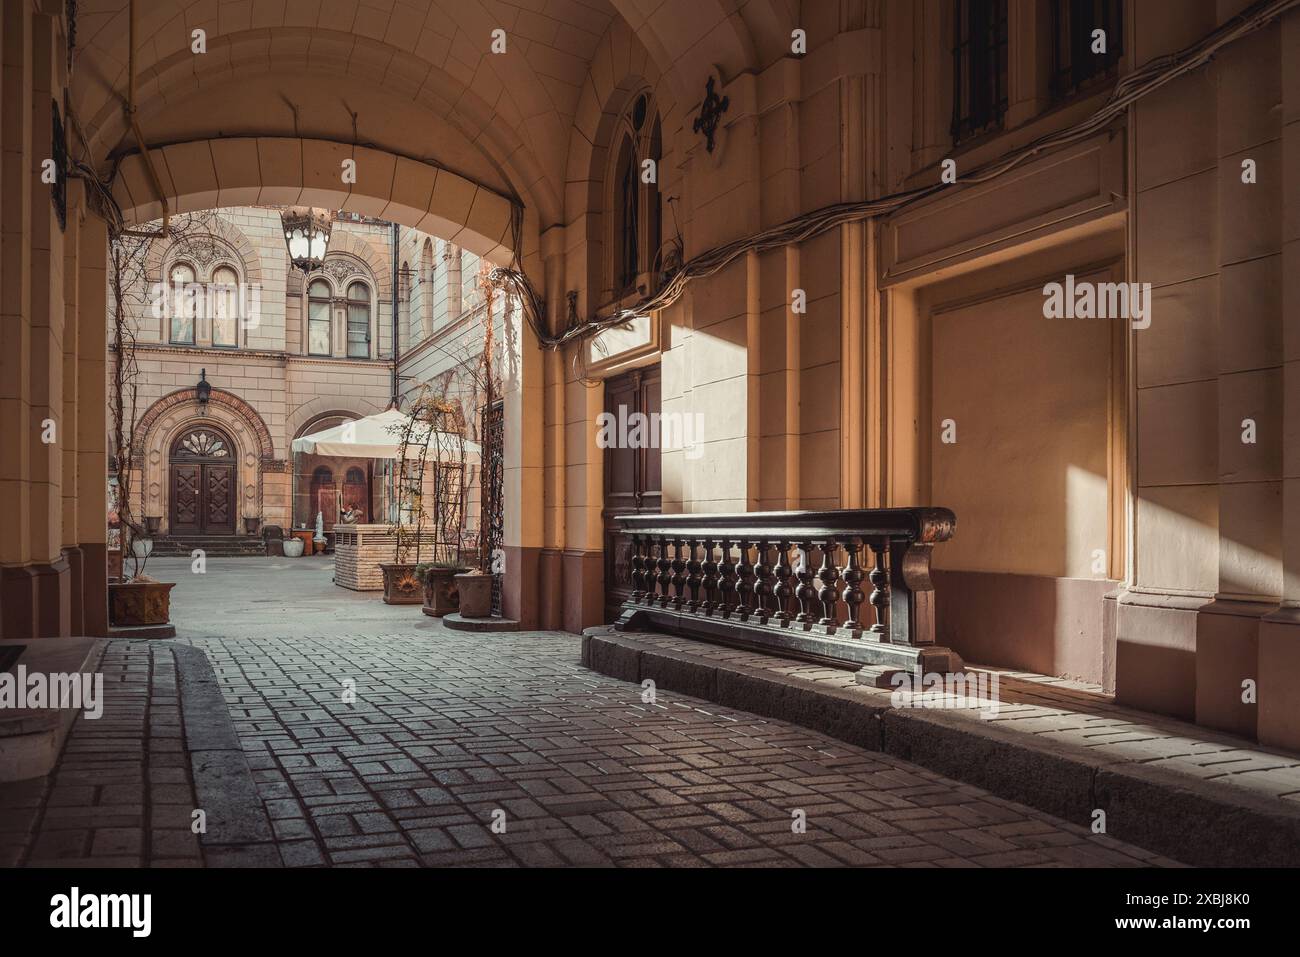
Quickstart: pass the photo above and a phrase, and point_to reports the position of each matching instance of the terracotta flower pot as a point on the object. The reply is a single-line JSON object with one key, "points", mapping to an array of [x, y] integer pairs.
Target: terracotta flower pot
{"points": [[475, 590], [401, 585], [441, 594], [139, 603]]}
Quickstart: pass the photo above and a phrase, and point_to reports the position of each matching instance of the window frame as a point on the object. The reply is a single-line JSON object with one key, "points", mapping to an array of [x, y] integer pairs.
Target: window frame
{"points": [[172, 312], [233, 301], [329, 316], [969, 119], [637, 144], [1064, 80], [349, 304]]}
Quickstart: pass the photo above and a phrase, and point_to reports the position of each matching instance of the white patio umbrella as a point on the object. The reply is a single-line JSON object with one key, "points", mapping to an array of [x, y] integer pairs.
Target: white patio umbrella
{"points": [[376, 436]]}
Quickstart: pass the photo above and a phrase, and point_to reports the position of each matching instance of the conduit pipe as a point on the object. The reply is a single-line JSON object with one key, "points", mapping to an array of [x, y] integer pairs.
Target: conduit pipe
{"points": [[139, 135]]}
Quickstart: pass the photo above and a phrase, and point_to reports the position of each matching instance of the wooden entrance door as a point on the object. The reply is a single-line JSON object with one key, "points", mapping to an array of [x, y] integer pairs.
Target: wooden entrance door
{"points": [[203, 499], [632, 479]]}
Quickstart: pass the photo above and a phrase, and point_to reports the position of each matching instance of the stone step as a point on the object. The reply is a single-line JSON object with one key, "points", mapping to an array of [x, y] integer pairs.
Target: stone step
{"points": [[215, 545], [32, 737], [1031, 739]]}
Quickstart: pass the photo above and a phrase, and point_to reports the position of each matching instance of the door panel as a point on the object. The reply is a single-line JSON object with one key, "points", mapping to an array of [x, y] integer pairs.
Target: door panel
{"points": [[218, 504], [186, 498]]}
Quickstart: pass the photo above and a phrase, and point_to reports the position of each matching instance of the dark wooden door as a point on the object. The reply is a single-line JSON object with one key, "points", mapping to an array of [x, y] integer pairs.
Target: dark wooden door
{"points": [[218, 499], [187, 499], [632, 478], [203, 492]]}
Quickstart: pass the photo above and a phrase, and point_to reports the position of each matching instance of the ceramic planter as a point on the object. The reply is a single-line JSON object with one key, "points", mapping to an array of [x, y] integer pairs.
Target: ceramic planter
{"points": [[441, 594], [475, 590], [151, 524], [292, 547], [139, 603], [142, 547], [250, 525], [401, 585]]}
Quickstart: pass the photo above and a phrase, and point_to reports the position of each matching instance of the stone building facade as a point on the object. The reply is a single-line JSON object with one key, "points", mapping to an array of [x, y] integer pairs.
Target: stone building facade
{"points": [[285, 355]]}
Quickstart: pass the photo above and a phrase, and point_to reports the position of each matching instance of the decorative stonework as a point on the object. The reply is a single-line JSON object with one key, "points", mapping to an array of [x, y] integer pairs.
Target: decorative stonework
{"points": [[219, 399], [177, 419]]}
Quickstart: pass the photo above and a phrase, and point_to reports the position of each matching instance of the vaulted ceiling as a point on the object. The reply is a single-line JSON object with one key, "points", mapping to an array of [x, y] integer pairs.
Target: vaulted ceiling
{"points": [[413, 77]]}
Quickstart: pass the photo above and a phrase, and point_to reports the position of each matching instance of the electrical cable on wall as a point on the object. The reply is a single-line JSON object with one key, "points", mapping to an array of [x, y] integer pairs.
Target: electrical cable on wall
{"points": [[1128, 90]]}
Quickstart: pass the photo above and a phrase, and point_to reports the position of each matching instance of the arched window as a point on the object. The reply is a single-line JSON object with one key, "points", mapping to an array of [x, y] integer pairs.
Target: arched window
{"points": [[355, 476], [626, 254], [184, 304], [225, 307], [318, 318], [358, 321], [634, 229], [426, 287]]}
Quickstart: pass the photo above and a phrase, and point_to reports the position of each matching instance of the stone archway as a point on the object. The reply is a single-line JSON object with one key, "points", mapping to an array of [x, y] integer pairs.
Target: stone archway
{"points": [[260, 481]]}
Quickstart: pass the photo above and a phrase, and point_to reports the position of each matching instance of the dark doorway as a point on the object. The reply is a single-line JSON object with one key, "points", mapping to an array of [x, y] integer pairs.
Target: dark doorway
{"points": [[632, 478], [202, 479]]}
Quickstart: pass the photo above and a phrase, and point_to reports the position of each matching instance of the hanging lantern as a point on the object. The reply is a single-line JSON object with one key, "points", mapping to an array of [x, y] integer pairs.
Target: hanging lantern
{"points": [[203, 391], [307, 236]]}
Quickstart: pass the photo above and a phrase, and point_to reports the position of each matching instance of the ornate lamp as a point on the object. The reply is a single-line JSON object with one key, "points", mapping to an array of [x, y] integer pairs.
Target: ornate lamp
{"points": [[307, 234], [203, 391]]}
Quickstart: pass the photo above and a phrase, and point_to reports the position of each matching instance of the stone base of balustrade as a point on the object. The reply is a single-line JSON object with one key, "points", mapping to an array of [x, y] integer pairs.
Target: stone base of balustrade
{"points": [[877, 661]]}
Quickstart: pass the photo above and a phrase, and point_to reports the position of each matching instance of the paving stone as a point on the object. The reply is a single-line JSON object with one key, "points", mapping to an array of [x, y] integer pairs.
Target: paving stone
{"points": [[447, 728]]}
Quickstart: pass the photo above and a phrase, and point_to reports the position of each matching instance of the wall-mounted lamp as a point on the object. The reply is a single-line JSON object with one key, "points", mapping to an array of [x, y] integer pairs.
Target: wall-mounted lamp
{"points": [[203, 391]]}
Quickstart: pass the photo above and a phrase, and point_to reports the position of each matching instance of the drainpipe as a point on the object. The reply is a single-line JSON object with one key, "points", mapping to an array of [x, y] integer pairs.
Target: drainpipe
{"points": [[397, 236], [139, 135]]}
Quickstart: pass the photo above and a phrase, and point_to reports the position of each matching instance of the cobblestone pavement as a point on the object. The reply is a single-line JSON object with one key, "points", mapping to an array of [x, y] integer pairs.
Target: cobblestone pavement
{"points": [[450, 734]]}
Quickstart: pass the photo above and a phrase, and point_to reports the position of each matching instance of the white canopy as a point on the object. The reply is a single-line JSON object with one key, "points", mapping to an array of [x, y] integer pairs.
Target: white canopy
{"points": [[374, 437]]}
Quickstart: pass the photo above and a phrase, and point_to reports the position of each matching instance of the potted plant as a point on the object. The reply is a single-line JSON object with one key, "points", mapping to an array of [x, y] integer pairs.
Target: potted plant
{"points": [[292, 547], [439, 585], [134, 598]]}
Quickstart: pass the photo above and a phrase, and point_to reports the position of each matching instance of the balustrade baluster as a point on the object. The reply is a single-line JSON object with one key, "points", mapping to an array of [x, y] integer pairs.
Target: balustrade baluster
{"points": [[744, 583], [726, 580], [709, 581], [762, 583], [804, 592], [853, 595], [665, 565], [880, 587], [637, 590], [829, 575], [678, 565], [693, 578], [781, 591]]}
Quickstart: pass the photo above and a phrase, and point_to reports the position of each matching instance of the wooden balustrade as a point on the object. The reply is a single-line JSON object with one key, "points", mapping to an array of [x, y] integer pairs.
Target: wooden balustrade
{"points": [[791, 583]]}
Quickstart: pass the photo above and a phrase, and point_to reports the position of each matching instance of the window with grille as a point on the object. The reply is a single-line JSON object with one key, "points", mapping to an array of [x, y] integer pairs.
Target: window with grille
{"points": [[1077, 60], [979, 66]]}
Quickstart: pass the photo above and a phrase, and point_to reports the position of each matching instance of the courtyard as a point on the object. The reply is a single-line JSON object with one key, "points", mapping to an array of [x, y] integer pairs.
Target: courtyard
{"points": [[466, 749]]}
